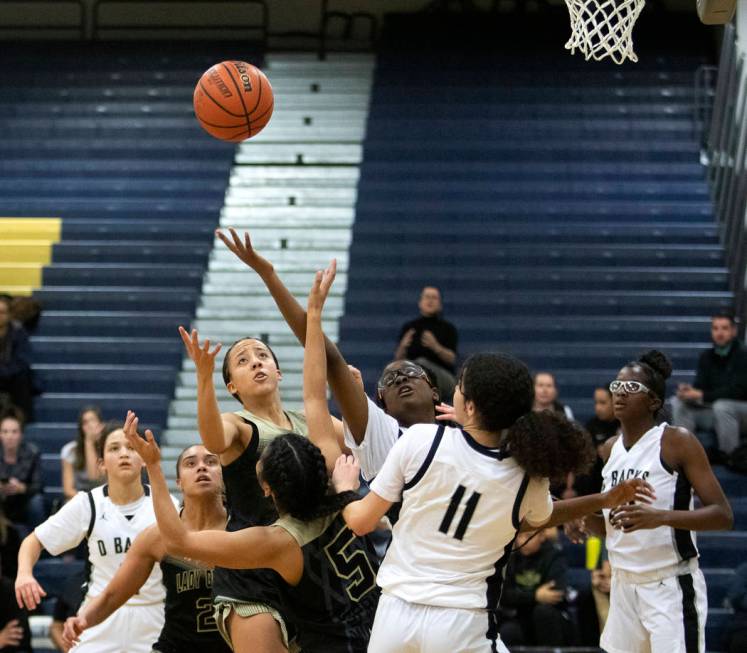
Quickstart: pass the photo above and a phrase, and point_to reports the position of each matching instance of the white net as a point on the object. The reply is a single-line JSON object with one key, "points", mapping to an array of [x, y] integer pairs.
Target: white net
{"points": [[603, 28]]}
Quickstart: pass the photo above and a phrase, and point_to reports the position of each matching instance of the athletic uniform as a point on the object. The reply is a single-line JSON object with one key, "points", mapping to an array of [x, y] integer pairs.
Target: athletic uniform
{"points": [[190, 624], [658, 598], [110, 529], [333, 605], [250, 591], [382, 431], [462, 504]]}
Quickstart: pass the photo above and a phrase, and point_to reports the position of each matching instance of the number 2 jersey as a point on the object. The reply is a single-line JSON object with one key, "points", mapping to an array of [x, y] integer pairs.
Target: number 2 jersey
{"points": [[462, 504], [334, 604]]}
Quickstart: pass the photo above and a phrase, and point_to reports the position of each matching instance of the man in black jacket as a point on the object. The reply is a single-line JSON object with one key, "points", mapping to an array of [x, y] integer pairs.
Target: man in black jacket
{"points": [[717, 399]]}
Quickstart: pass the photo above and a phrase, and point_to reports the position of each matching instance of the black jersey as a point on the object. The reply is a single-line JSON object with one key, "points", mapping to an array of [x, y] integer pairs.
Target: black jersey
{"points": [[189, 624], [248, 507], [334, 604]]}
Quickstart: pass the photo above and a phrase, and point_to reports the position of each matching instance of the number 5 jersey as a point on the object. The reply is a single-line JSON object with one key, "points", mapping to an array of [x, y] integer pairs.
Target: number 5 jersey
{"points": [[462, 504]]}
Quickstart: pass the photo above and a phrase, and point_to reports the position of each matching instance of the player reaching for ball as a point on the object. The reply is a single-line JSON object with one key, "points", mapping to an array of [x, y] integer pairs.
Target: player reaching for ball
{"points": [[658, 601]]}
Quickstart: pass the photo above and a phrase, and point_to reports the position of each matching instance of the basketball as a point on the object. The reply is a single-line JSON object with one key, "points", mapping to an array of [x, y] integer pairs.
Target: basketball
{"points": [[233, 101]]}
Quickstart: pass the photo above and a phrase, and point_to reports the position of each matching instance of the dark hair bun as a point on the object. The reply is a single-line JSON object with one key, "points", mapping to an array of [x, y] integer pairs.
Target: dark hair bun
{"points": [[658, 362]]}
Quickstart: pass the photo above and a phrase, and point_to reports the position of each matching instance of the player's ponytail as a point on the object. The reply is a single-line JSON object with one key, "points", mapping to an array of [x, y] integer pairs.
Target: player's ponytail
{"points": [[547, 445]]}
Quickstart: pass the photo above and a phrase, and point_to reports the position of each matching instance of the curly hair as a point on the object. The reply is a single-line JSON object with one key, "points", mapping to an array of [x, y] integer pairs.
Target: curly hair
{"points": [[296, 472], [500, 386], [548, 445], [109, 428], [227, 372]]}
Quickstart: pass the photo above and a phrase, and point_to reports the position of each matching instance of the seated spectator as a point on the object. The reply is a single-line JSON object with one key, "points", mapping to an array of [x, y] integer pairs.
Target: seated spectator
{"points": [[546, 395], [20, 474], [736, 633], [15, 364], [431, 342], [534, 594], [10, 542], [600, 428], [15, 634], [80, 464], [717, 399]]}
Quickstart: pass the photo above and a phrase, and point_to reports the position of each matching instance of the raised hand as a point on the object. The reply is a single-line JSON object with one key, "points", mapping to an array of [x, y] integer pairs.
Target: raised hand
{"points": [[203, 358], [28, 591], [147, 448], [346, 475], [320, 288], [72, 629], [634, 489], [244, 251], [445, 413]]}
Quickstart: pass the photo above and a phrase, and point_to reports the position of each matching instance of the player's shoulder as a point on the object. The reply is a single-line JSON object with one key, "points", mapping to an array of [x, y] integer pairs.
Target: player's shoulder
{"points": [[423, 432], [606, 449]]}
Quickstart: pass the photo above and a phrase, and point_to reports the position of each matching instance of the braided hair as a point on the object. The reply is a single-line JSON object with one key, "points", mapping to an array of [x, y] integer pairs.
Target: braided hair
{"points": [[296, 472], [545, 443]]}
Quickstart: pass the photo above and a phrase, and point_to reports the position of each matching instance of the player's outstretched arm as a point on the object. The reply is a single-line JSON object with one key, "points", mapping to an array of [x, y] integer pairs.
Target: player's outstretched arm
{"points": [[216, 433], [28, 591], [350, 398], [145, 551], [361, 516], [250, 548]]}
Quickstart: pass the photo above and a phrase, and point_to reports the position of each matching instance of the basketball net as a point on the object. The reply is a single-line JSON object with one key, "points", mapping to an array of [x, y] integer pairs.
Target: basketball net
{"points": [[603, 28]]}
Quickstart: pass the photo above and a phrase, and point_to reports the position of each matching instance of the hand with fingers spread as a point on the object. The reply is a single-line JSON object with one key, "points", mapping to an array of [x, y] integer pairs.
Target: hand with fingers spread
{"points": [[634, 489], [146, 448], [202, 356], [11, 634], [637, 516], [346, 475], [244, 251], [445, 413], [29, 593], [73, 628], [320, 288]]}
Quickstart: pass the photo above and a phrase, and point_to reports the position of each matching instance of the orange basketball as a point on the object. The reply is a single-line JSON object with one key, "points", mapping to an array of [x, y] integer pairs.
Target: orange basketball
{"points": [[233, 101]]}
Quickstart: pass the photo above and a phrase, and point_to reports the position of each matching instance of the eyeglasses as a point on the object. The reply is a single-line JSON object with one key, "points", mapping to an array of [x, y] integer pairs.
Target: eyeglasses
{"points": [[628, 387], [408, 371]]}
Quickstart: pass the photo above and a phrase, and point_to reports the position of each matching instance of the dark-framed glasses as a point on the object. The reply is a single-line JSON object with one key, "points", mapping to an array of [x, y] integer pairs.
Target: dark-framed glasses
{"points": [[627, 387], [388, 378]]}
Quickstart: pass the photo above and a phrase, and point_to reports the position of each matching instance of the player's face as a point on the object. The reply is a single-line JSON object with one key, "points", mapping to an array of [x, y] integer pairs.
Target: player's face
{"points": [[200, 472], [722, 331], [545, 391], [405, 394], [252, 370], [121, 461], [11, 433], [603, 405], [628, 405]]}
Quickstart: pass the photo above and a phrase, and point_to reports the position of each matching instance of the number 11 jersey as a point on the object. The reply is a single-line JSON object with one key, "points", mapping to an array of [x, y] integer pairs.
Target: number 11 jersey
{"points": [[462, 504]]}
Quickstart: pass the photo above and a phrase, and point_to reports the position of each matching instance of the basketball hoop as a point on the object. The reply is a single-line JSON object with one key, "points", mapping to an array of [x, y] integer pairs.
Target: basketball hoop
{"points": [[603, 28]]}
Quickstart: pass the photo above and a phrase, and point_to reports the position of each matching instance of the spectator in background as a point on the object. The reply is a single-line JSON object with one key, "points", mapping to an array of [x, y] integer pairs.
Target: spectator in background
{"points": [[736, 633], [10, 542], [80, 464], [546, 395], [15, 365], [20, 474], [717, 399], [15, 634], [431, 342], [534, 594]]}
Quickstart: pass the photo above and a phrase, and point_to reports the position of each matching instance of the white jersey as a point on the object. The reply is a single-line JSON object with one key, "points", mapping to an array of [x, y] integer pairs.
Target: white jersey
{"points": [[647, 550], [462, 504], [382, 431], [110, 529]]}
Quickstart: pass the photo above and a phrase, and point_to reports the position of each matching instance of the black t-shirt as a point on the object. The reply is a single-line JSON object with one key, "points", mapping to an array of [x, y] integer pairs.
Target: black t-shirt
{"points": [[9, 610], [445, 332]]}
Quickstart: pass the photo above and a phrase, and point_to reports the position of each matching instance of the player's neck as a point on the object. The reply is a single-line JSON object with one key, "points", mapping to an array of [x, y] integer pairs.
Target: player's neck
{"points": [[634, 429], [204, 513], [269, 408], [483, 437], [124, 493]]}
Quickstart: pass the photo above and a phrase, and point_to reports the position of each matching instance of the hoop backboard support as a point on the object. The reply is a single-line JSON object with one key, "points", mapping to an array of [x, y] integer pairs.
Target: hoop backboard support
{"points": [[716, 12]]}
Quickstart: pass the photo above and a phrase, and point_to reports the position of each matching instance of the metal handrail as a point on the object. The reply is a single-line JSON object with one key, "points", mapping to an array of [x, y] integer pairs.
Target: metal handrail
{"points": [[261, 26], [80, 27]]}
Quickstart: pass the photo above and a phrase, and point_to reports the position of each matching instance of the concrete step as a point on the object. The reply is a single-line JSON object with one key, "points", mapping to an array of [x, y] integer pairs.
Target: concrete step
{"points": [[281, 175], [297, 282], [317, 257], [300, 153], [242, 217], [290, 196]]}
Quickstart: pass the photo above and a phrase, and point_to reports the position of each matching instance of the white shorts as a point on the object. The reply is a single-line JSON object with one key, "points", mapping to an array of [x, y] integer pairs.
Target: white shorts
{"points": [[661, 616], [131, 629], [403, 627]]}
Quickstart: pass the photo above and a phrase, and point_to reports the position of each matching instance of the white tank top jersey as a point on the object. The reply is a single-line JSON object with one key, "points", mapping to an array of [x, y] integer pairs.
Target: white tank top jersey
{"points": [[462, 504], [109, 538], [647, 550]]}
